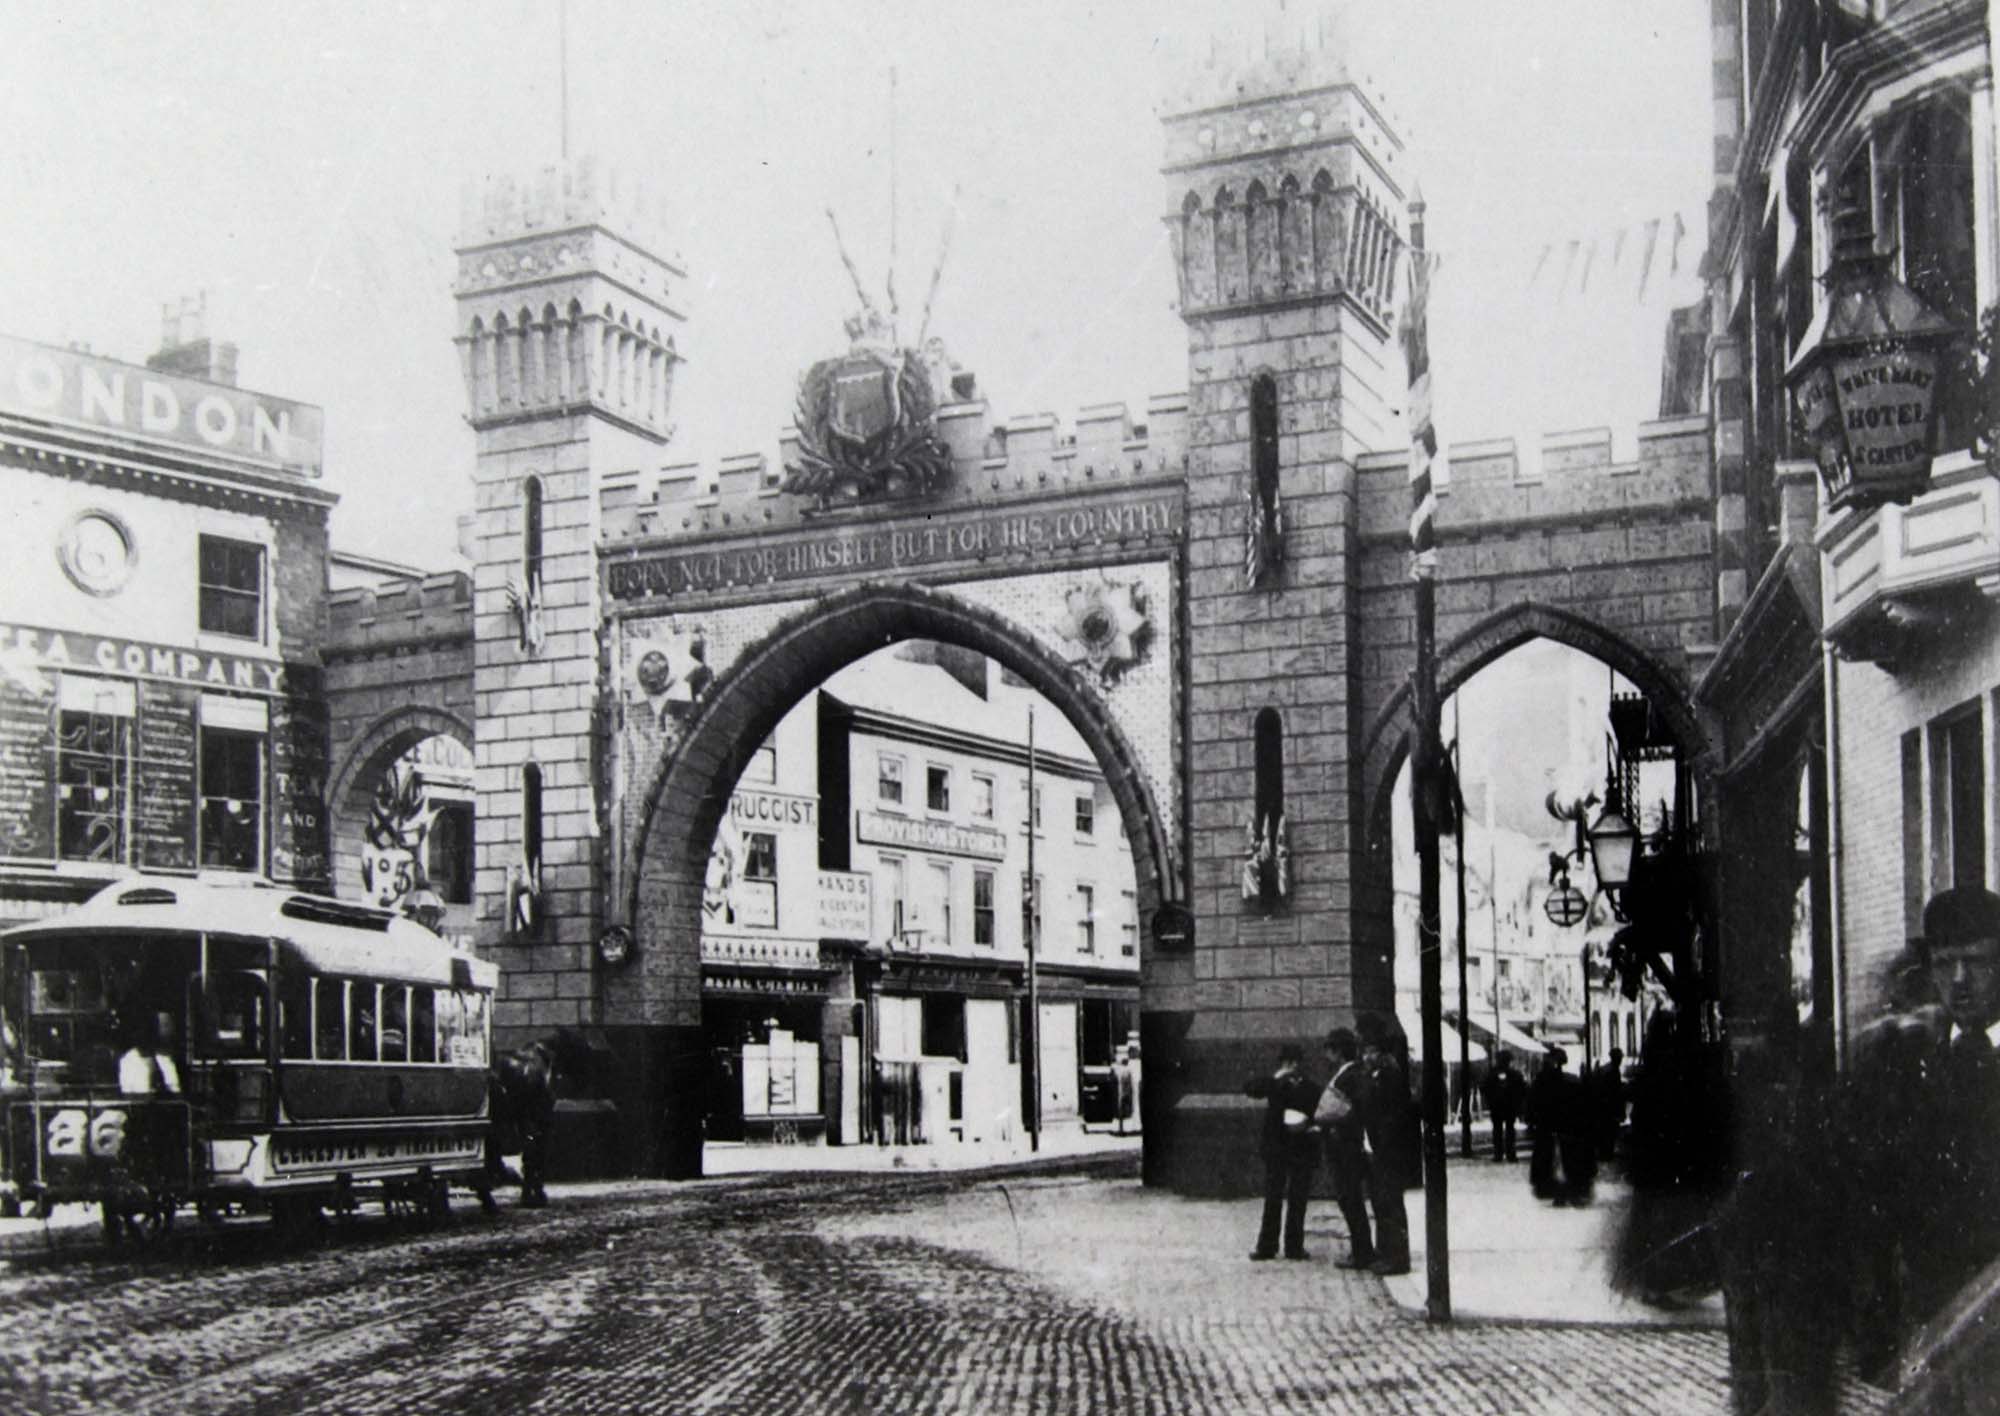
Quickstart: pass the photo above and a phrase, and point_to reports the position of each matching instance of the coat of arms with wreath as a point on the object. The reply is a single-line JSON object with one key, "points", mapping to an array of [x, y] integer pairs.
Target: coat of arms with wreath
{"points": [[865, 422]]}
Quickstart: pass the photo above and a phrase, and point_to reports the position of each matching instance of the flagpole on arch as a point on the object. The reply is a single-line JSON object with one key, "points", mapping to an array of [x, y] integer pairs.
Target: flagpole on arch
{"points": [[1427, 775]]}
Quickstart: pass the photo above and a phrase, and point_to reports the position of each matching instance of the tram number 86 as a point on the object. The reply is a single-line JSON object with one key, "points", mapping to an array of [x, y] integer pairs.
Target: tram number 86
{"points": [[72, 1129]]}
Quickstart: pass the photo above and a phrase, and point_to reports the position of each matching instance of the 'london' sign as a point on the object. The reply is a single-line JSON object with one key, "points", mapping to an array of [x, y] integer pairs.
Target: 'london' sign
{"points": [[66, 386]]}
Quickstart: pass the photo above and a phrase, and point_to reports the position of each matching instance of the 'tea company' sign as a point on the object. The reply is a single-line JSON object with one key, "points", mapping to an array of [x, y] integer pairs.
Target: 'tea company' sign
{"points": [[63, 385]]}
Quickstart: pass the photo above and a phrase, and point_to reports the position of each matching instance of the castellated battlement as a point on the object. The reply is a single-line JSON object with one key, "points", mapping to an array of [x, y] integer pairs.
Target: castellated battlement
{"points": [[403, 614], [1026, 456], [1492, 483], [579, 192]]}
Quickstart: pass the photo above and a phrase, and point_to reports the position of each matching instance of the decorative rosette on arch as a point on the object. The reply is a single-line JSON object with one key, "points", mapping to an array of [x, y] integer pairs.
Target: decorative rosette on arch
{"points": [[1105, 629]]}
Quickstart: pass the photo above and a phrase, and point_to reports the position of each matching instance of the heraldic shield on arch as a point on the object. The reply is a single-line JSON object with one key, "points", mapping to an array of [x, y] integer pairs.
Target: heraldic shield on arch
{"points": [[865, 421]]}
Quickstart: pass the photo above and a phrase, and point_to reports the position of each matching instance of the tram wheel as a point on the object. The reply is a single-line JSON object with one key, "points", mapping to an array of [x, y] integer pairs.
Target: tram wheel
{"points": [[486, 1201], [10, 1206], [434, 1203], [113, 1220]]}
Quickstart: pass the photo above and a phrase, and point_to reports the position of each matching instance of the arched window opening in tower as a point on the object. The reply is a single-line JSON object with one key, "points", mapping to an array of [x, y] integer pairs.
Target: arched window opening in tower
{"points": [[1267, 857], [1264, 532]]}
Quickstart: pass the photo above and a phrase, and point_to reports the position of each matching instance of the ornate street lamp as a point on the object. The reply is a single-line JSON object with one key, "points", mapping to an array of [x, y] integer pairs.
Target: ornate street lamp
{"points": [[1613, 842], [425, 906], [1864, 382]]}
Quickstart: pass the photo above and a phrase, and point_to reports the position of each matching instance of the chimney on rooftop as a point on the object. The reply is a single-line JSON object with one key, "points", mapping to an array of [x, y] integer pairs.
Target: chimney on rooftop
{"points": [[185, 347]]}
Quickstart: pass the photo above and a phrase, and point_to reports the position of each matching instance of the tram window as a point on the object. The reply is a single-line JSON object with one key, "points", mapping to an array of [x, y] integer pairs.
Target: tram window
{"points": [[395, 1013], [235, 1015], [330, 1028], [466, 1030], [423, 1025], [66, 1012], [450, 1024], [295, 1015], [361, 1015]]}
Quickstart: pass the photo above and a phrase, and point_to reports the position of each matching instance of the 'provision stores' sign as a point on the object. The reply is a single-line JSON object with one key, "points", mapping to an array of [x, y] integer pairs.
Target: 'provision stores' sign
{"points": [[967, 536], [65, 386], [885, 830], [27, 649]]}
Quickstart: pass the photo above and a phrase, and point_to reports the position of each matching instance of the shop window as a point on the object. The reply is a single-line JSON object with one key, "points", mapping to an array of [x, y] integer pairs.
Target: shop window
{"points": [[982, 908], [1128, 926], [944, 1025], [982, 797], [888, 779], [1086, 919], [232, 798], [449, 853], [330, 1020], [937, 788], [1086, 816], [94, 768], [231, 587]]}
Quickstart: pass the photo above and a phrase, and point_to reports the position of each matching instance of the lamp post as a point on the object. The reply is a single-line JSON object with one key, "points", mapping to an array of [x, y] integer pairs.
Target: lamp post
{"points": [[1864, 382]]}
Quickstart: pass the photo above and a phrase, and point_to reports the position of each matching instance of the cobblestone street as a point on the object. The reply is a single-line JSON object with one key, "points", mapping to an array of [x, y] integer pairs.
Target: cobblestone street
{"points": [[1064, 1287]]}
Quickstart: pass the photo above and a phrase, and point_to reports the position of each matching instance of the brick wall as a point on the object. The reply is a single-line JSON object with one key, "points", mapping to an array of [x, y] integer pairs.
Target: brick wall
{"points": [[1873, 709]]}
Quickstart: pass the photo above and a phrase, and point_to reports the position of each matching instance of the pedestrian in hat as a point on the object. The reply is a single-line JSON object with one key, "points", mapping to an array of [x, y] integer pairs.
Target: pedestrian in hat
{"points": [[1290, 1149]]}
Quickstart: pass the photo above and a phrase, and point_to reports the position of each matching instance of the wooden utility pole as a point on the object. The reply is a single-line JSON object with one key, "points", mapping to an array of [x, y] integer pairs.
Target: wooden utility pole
{"points": [[1428, 779]]}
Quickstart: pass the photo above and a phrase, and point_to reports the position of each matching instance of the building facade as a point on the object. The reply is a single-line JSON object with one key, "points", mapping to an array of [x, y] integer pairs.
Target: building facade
{"points": [[863, 954], [161, 704], [1855, 691]]}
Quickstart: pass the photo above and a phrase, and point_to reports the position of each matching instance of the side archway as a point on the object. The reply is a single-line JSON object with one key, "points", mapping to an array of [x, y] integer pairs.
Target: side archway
{"points": [[1388, 740], [1388, 744], [352, 790]]}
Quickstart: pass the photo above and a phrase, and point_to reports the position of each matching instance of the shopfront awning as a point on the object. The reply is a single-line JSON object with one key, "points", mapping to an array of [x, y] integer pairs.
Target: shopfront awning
{"points": [[1414, 1030], [1511, 1038]]}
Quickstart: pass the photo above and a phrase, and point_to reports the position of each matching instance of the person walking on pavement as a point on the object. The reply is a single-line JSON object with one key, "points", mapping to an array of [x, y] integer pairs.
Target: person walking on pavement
{"points": [[1607, 1103], [1290, 1149], [1338, 1116], [1503, 1090], [1548, 1103], [1393, 1150]]}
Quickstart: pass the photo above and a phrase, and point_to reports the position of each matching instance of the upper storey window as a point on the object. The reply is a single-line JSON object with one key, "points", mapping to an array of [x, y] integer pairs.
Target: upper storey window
{"points": [[231, 580]]}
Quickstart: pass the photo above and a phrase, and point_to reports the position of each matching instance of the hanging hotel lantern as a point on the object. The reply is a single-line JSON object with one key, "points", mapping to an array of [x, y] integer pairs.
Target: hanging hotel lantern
{"points": [[1864, 382]]}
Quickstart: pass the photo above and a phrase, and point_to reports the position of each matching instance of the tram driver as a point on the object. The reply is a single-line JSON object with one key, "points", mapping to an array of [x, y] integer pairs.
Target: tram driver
{"points": [[147, 1066]]}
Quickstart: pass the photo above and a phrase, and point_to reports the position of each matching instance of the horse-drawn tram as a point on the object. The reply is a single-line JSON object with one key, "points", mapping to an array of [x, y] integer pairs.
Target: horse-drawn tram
{"points": [[238, 1047]]}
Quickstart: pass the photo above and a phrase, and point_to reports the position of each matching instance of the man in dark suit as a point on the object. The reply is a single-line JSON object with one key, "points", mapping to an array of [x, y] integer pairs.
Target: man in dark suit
{"points": [[1956, 1214], [1503, 1090], [1394, 1146], [1339, 1118], [1290, 1148]]}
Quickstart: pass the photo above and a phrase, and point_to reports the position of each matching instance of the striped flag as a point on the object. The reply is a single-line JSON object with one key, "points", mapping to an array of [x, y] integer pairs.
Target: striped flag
{"points": [[1423, 437]]}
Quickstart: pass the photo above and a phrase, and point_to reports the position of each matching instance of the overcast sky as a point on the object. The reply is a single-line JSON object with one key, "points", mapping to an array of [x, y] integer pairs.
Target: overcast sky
{"points": [[302, 164]]}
